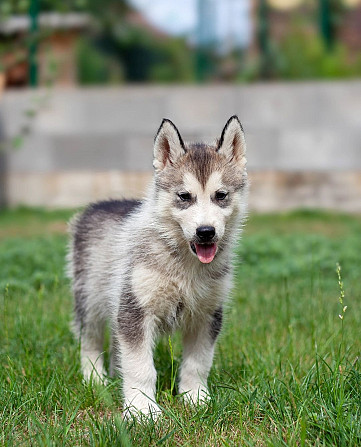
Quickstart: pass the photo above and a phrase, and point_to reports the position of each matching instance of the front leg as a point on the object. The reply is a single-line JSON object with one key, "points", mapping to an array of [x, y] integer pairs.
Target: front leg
{"points": [[135, 341], [198, 357]]}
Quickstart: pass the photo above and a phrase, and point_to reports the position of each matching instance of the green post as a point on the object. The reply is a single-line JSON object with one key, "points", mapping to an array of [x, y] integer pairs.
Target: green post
{"points": [[325, 24], [263, 39], [33, 46], [201, 65]]}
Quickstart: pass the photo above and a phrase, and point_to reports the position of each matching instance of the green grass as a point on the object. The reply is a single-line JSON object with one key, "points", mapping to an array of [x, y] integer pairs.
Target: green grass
{"points": [[286, 370]]}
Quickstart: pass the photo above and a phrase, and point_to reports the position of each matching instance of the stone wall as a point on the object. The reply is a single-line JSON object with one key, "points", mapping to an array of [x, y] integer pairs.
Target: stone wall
{"points": [[304, 140]]}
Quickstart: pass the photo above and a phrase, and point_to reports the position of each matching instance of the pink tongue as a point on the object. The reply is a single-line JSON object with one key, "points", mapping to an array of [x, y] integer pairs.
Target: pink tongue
{"points": [[206, 253]]}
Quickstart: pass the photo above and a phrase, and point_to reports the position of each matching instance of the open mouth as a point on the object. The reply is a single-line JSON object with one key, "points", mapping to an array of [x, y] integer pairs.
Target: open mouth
{"points": [[204, 252]]}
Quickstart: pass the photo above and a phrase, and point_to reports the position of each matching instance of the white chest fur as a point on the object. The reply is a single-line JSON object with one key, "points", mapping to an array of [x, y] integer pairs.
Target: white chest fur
{"points": [[174, 298]]}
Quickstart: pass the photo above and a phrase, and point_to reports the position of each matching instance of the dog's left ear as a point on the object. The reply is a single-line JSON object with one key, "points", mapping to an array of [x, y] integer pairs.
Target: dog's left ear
{"points": [[168, 145], [232, 143]]}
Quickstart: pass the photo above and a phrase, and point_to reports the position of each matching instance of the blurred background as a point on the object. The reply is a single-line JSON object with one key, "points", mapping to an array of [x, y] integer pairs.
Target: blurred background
{"points": [[85, 84]]}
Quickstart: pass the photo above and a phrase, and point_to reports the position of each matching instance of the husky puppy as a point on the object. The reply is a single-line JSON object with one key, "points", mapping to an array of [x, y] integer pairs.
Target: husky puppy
{"points": [[164, 263]]}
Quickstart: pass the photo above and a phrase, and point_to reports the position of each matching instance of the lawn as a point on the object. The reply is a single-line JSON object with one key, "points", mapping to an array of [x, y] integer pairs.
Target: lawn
{"points": [[287, 367]]}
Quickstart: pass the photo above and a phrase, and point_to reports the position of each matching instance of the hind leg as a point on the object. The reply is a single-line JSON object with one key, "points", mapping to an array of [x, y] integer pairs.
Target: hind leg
{"points": [[91, 352], [90, 329]]}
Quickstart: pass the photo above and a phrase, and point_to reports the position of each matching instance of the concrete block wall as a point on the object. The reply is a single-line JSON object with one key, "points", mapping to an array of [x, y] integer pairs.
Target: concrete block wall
{"points": [[304, 140]]}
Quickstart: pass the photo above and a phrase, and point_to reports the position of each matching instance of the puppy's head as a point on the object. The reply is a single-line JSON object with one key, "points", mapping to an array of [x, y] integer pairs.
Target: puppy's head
{"points": [[200, 187]]}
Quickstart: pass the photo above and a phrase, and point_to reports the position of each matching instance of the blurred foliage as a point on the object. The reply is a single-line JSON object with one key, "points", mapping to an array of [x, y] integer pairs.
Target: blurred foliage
{"points": [[9, 7], [114, 50], [175, 62], [136, 53], [95, 67], [305, 56]]}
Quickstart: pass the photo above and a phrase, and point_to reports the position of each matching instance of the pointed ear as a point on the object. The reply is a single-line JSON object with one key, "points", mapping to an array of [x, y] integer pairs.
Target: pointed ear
{"points": [[232, 143], [168, 145]]}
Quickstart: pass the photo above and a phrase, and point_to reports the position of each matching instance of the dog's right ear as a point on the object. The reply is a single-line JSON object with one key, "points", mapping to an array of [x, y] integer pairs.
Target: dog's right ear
{"points": [[168, 145]]}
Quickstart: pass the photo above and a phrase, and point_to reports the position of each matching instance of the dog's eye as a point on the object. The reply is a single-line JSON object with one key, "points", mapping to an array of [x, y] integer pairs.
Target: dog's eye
{"points": [[185, 196], [221, 195]]}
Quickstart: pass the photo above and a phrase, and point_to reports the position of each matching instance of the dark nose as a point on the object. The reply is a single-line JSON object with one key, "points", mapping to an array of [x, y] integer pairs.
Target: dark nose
{"points": [[206, 233]]}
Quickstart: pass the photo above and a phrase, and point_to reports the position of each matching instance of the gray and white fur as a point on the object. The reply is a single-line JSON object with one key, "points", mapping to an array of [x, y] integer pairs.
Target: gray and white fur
{"points": [[165, 263]]}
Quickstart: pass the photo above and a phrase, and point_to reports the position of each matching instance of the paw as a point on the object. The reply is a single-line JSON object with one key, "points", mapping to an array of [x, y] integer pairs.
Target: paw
{"points": [[140, 408], [195, 396], [92, 374]]}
